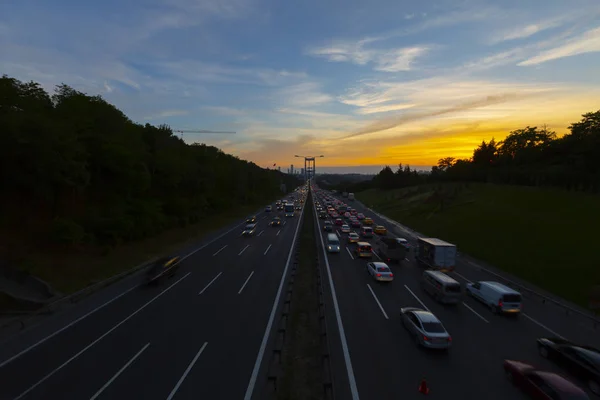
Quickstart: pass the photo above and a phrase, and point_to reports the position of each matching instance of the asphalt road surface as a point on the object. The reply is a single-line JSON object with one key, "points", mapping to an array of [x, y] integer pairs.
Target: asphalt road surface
{"points": [[197, 335], [382, 361]]}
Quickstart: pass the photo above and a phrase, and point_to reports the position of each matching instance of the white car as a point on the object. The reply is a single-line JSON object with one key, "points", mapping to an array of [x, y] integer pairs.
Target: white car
{"points": [[380, 271], [345, 228], [353, 237]]}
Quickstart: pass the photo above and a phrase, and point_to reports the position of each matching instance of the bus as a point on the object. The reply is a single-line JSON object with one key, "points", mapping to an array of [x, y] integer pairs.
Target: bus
{"points": [[289, 209]]}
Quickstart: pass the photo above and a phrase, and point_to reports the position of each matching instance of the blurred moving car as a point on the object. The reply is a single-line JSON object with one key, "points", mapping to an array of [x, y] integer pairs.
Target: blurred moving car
{"points": [[353, 237], [327, 226], [275, 222], [249, 230], [380, 230], [251, 219], [582, 362], [268, 208], [541, 384], [380, 271], [427, 330], [163, 267], [345, 228]]}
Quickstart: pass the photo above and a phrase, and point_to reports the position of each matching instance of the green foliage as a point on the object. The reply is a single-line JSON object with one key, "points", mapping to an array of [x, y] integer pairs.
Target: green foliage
{"points": [[530, 156], [77, 170]]}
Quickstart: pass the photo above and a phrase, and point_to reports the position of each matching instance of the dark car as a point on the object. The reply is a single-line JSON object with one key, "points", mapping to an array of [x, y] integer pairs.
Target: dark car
{"points": [[327, 226], [275, 221], [580, 361], [323, 215], [541, 384], [356, 224], [251, 220], [249, 230], [164, 267]]}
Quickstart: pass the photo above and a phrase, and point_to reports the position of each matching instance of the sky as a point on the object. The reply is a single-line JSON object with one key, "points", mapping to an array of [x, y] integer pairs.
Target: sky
{"points": [[365, 84]]}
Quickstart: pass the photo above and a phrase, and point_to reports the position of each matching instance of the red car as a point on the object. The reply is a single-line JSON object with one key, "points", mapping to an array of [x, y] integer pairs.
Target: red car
{"points": [[542, 385], [339, 221]]}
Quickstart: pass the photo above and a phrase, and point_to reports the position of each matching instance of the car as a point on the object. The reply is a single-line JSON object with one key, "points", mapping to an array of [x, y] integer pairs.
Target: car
{"points": [[541, 384], [367, 221], [161, 268], [356, 224], [268, 208], [347, 215], [327, 226], [380, 230], [339, 222], [298, 207], [275, 222], [360, 216], [249, 230], [279, 207], [323, 215], [427, 330], [580, 361], [403, 242], [353, 237], [345, 228], [380, 271], [251, 220]]}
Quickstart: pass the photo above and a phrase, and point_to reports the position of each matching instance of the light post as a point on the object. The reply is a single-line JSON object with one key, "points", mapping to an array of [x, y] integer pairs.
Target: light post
{"points": [[309, 166]]}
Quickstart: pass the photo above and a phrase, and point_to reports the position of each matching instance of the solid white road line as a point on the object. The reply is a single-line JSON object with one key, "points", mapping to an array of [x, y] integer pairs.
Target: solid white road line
{"points": [[263, 344], [267, 250], [475, 312], [245, 283], [115, 376], [187, 371], [376, 255], [462, 277], [338, 318], [64, 328], [378, 303], [337, 232], [418, 299], [278, 232], [543, 326], [260, 233], [100, 338], [244, 249], [210, 283], [220, 250], [349, 253]]}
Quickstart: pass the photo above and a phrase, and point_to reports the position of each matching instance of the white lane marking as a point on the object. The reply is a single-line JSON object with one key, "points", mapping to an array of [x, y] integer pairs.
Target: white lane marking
{"points": [[245, 283], [378, 303], [244, 249], [265, 217], [187, 371], [263, 344], [349, 253], [475, 312], [284, 222], [267, 250], [220, 250], [261, 232], [462, 277], [33, 346], [543, 326], [278, 232], [337, 232], [99, 339], [338, 318], [376, 255], [406, 259], [418, 299], [210, 283], [119, 372]]}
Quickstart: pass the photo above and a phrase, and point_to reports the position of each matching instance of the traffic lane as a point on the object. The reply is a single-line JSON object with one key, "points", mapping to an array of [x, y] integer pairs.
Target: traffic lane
{"points": [[380, 347]]}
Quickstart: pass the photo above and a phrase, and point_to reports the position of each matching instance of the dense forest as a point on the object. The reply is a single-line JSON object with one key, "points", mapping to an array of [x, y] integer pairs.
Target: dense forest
{"points": [[76, 172], [530, 156]]}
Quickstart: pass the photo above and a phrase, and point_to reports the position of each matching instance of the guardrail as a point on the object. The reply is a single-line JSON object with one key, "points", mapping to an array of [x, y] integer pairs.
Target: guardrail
{"points": [[74, 297], [569, 310]]}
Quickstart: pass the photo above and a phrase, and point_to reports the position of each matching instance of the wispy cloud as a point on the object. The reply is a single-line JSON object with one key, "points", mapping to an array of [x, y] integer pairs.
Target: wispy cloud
{"points": [[588, 42], [167, 114], [306, 94]]}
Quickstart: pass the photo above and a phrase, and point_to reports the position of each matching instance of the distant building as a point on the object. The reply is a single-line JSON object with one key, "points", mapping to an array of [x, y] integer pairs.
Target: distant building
{"points": [[279, 169], [292, 169]]}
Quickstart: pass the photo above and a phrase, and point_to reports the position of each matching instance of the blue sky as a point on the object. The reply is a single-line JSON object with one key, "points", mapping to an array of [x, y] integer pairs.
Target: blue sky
{"points": [[388, 82]]}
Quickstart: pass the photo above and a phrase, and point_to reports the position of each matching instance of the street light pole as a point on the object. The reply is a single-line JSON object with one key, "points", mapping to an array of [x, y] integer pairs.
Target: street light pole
{"points": [[308, 160]]}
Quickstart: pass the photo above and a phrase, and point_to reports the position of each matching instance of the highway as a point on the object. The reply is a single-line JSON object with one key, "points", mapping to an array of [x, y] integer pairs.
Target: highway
{"points": [[200, 334], [386, 364]]}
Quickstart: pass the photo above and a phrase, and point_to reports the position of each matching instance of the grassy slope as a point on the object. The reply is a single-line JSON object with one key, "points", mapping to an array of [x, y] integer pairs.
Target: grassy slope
{"points": [[70, 272], [547, 237]]}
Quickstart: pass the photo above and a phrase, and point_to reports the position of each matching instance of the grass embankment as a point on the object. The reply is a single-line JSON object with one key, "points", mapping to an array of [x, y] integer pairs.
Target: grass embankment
{"points": [[301, 356], [70, 272], [547, 237]]}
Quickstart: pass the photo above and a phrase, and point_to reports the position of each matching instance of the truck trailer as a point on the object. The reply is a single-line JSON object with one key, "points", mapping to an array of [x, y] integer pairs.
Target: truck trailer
{"points": [[436, 254]]}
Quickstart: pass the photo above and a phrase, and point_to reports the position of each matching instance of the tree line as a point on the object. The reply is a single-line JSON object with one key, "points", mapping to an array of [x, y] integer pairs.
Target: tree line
{"points": [[76, 171], [531, 156]]}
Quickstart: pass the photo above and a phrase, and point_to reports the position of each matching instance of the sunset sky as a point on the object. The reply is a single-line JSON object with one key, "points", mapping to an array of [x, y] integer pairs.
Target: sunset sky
{"points": [[394, 81]]}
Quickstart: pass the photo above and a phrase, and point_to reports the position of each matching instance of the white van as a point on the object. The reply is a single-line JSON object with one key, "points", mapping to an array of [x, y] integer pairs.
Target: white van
{"points": [[442, 287], [500, 298], [333, 243]]}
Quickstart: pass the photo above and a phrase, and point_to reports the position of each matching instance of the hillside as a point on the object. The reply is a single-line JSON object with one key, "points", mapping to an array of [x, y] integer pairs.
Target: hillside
{"points": [[545, 236], [87, 192]]}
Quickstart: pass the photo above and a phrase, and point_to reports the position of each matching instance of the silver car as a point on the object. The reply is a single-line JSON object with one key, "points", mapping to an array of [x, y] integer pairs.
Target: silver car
{"points": [[380, 271], [426, 328], [249, 230]]}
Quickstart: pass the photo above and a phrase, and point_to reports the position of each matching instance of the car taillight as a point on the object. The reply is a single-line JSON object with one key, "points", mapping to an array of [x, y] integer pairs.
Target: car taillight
{"points": [[391, 275], [500, 304], [449, 338], [378, 275], [425, 338]]}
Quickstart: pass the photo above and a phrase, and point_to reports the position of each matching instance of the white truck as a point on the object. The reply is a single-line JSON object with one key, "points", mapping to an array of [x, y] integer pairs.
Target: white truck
{"points": [[351, 196], [392, 249], [436, 254]]}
